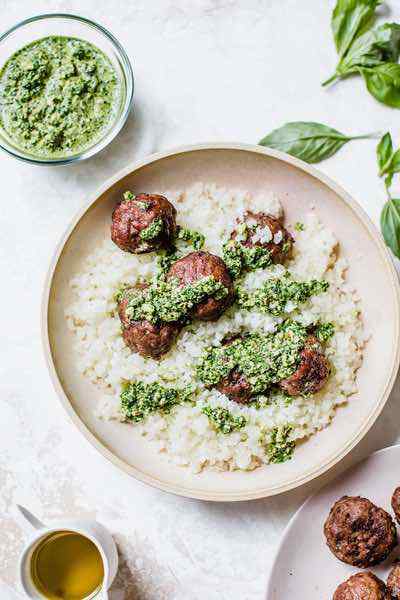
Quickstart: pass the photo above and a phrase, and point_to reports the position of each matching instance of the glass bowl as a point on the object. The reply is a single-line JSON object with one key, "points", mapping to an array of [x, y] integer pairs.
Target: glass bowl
{"points": [[69, 25]]}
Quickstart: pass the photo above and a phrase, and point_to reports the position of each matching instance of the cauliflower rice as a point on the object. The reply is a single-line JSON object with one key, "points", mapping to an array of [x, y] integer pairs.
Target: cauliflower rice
{"points": [[186, 434]]}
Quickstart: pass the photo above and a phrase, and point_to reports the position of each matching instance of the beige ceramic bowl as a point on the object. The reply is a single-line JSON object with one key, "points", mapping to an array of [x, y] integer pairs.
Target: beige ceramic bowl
{"points": [[298, 186]]}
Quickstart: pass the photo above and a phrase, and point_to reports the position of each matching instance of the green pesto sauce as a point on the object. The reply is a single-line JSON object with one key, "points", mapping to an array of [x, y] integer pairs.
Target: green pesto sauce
{"points": [[194, 238], [280, 449], [238, 257], [324, 332], [166, 301], [58, 96], [223, 420], [263, 359], [275, 293], [153, 230], [139, 400]]}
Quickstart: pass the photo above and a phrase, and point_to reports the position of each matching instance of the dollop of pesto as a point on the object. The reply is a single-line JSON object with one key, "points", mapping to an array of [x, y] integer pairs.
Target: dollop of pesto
{"points": [[223, 420], [139, 400], [324, 331], [152, 231], [166, 301], [263, 359], [238, 257], [194, 238], [275, 293], [280, 449], [58, 96]]}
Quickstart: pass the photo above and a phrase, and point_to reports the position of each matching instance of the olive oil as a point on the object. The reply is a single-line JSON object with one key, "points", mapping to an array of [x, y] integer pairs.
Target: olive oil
{"points": [[67, 566]]}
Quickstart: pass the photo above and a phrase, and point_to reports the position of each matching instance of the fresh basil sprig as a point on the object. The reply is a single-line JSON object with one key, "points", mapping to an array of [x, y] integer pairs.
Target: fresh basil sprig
{"points": [[389, 165], [350, 18], [312, 142], [373, 53], [390, 225], [375, 47], [383, 82], [388, 159]]}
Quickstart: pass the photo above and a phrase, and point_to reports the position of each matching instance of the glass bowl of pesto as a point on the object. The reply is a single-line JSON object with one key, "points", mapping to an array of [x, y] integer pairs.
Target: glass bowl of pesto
{"points": [[66, 89]]}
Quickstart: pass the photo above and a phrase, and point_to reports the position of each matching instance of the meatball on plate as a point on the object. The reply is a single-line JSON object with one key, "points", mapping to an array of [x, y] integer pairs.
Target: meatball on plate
{"points": [[341, 544], [359, 533], [192, 248], [362, 586]]}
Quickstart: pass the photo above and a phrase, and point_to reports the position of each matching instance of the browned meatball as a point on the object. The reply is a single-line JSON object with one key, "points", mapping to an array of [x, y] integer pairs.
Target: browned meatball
{"points": [[143, 223], [359, 533], [236, 387], [362, 586], [198, 265], [265, 231], [393, 582], [145, 338], [312, 372], [396, 503]]}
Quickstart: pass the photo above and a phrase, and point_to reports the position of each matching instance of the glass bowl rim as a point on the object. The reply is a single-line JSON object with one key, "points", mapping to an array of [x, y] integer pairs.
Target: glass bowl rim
{"points": [[119, 123]]}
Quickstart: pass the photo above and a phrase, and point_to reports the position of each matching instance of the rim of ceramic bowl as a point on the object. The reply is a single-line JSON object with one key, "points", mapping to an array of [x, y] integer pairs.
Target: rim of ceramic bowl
{"points": [[181, 490], [115, 129]]}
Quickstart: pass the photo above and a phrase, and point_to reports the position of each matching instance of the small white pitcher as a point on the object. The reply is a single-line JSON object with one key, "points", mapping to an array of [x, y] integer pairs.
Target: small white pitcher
{"points": [[37, 531]]}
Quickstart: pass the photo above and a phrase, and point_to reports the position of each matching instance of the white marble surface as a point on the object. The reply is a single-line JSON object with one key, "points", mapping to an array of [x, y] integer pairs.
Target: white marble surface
{"points": [[205, 70]]}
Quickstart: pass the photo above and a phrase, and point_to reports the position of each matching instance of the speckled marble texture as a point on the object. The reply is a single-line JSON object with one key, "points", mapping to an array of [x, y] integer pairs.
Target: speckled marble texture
{"points": [[206, 70]]}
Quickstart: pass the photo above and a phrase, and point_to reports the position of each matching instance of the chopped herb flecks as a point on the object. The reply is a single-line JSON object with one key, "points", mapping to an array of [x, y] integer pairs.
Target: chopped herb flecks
{"points": [[138, 399], [324, 332], [280, 448], [299, 226], [128, 196], [194, 238], [152, 231], [223, 420], [273, 297]]}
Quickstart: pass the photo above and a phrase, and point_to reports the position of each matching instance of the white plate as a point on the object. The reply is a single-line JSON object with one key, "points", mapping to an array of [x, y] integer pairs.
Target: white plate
{"points": [[298, 185], [304, 567]]}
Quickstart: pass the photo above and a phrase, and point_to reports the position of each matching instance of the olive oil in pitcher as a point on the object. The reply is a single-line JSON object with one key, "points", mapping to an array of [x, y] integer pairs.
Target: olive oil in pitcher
{"points": [[67, 566]]}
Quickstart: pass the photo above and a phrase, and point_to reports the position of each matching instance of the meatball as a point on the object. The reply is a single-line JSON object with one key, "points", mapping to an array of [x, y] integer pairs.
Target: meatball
{"points": [[362, 586], [396, 503], [145, 338], [393, 582], [265, 231], [312, 372], [198, 265], [236, 387], [143, 223], [359, 533]]}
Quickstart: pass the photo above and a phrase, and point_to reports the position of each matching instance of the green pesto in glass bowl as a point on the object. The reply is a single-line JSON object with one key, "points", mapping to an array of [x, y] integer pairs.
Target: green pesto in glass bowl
{"points": [[62, 97]]}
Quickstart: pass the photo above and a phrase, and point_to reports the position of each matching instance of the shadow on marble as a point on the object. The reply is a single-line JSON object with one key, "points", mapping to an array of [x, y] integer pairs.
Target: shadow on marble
{"points": [[136, 139]]}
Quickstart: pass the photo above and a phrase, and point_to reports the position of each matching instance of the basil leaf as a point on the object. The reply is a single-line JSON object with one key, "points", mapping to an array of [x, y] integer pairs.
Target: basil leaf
{"points": [[374, 47], [383, 82], [394, 166], [384, 153], [390, 225], [350, 18], [312, 142]]}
